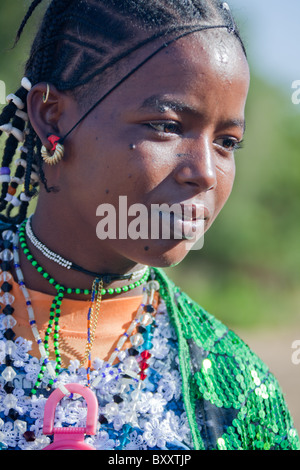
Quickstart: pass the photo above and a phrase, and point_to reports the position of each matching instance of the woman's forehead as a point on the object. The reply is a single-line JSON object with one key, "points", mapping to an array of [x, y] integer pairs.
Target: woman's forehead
{"points": [[182, 67], [208, 50]]}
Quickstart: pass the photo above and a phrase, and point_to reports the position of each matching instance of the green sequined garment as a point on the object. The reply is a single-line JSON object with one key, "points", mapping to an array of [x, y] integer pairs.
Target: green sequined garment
{"points": [[232, 400]]}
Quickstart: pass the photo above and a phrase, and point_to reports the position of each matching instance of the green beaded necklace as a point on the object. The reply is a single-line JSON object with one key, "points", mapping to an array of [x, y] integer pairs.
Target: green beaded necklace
{"points": [[69, 290], [55, 309]]}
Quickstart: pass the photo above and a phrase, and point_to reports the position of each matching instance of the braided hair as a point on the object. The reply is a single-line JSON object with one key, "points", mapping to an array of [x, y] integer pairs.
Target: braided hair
{"points": [[77, 42]]}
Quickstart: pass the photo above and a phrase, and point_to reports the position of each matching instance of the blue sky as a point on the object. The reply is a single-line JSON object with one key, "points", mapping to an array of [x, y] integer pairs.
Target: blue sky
{"points": [[271, 29]]}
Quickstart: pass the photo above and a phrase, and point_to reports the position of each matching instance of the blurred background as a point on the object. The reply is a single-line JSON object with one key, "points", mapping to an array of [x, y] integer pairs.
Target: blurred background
{"points": [[248, 272]]}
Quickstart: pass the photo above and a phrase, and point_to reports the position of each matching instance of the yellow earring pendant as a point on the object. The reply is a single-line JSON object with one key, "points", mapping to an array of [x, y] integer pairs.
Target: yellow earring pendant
{"points": [[52, 159]]}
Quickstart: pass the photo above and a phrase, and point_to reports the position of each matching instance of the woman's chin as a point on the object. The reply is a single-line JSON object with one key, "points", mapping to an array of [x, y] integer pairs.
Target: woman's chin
{"points": [[163, 253]]}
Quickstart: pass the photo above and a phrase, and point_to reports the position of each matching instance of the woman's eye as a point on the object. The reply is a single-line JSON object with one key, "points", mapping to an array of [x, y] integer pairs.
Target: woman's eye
{"points": [[229, 144], [165, 127]]}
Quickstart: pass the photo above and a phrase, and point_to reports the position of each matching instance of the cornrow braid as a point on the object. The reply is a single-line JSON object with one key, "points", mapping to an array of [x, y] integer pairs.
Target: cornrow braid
{"points": [[77, 41]]}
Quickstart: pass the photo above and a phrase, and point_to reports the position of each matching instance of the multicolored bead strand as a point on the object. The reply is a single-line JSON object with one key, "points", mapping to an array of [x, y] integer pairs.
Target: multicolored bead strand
{"points": [[132, 372], [92, 319]]}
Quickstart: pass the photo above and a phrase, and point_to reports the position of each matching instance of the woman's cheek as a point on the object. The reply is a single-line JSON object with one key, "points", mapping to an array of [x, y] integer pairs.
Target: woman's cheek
{"points": [[225, 181]]}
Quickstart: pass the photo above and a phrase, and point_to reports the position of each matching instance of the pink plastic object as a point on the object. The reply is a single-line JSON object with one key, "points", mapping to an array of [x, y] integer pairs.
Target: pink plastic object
{"points": [[70, 438]]}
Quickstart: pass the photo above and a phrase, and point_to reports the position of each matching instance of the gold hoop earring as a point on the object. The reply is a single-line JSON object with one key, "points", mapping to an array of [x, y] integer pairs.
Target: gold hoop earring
{"points": [[55, 158], [45, 97], [52, 159]]}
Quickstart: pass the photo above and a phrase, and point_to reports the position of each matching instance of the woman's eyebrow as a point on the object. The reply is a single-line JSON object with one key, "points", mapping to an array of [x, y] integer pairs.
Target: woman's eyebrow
{"points": [[162, 104], [234, 123]]}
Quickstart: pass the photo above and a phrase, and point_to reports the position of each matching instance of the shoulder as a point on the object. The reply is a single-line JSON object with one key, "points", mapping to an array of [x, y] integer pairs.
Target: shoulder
{"points": [[209, 337]]}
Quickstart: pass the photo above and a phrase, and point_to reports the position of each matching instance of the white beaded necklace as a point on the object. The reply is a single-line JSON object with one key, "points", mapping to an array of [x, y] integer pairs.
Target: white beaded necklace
{"points": [[59, 259]]}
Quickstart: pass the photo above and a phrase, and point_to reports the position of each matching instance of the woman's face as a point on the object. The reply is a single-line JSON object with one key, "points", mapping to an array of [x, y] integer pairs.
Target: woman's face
{"points": [[167, 135]]}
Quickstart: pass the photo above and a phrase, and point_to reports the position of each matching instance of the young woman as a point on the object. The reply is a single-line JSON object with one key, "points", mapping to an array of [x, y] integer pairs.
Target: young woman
{"points": [[143, 102]]}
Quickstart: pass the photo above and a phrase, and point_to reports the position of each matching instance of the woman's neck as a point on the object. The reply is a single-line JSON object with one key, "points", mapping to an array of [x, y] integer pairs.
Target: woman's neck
{"points": [[71, 246]]}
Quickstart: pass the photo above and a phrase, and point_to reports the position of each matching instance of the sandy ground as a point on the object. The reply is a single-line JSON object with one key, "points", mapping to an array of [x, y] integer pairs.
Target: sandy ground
{"points": [[274, 347]]}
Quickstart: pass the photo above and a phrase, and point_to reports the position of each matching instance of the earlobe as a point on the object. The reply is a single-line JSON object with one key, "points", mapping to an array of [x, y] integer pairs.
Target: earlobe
{"points": [[45, 105], [58, 149]]}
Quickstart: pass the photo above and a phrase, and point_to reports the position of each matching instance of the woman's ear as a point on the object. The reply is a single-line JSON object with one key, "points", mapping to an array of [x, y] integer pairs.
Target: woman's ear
{"points": [[45, 106]]}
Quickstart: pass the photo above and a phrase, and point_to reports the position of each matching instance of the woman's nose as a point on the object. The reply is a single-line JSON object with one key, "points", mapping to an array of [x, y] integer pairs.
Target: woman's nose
{"points": [[196, 165]]}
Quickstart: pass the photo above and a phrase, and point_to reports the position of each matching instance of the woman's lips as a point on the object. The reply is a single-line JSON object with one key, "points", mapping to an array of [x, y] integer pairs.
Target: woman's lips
{"points": [[189, 229], [184, 221], [194, 212]]}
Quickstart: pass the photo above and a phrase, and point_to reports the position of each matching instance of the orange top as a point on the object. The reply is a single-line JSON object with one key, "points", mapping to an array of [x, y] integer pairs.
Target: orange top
{"points": [[114, 318]]}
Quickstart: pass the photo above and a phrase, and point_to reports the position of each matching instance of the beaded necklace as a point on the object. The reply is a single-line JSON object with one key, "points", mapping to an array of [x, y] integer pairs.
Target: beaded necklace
{"points": [[144, 273], [70, 264], [132, 363], [96, 295], [260, 418]]}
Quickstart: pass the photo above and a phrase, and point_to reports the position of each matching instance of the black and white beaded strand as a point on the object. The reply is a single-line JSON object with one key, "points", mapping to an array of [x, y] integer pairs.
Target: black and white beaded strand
{"points": [[7, 323]]}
